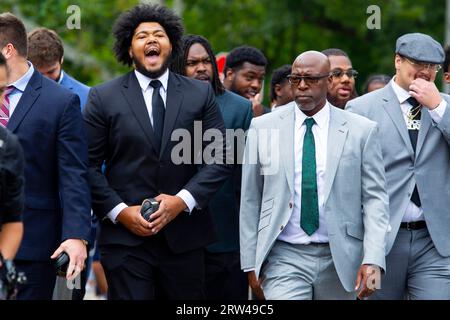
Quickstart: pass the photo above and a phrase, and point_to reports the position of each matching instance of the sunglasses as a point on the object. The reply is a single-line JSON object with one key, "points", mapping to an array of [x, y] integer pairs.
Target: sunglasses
{"points": [[309, 80]]}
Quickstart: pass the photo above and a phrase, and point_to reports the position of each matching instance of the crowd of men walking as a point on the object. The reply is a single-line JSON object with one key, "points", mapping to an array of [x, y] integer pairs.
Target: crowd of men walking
{"points": [[336, 196]]}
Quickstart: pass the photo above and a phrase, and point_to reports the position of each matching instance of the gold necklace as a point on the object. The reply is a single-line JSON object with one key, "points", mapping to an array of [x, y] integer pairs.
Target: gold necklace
{"points": [[413, 112]]}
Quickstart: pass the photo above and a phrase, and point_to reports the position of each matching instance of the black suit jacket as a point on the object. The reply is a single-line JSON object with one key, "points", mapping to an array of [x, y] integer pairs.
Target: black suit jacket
{"points": [[120, 134]]}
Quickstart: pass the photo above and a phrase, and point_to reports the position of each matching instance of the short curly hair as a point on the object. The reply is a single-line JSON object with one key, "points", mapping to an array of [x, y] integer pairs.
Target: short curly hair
{"points": [[278, 77], [128, 21], [238, 56]]}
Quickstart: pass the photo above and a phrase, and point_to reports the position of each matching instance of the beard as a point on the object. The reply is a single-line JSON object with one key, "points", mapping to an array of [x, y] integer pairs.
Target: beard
{"points": [[152, 74]]}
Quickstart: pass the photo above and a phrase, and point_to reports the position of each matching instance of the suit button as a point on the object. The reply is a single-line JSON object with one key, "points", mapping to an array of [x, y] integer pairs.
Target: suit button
{"points": [[290, 205]]}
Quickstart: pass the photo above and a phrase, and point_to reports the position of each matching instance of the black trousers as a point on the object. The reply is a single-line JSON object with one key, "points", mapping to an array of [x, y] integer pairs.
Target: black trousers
{"points": [[152, 271], [224, 278], [41, 278]]}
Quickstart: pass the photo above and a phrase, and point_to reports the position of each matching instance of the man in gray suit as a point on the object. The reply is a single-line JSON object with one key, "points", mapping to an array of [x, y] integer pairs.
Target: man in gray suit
{"points": [[303, 234], [414, 122]]}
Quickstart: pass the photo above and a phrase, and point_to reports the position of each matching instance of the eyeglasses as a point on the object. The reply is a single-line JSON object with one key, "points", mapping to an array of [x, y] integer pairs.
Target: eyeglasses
{"points": [[339, 73], [309, 80], [423, 65]]}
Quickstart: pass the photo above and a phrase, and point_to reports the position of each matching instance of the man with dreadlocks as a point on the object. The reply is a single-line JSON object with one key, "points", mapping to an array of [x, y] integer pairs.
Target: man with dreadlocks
{"points": [[224, 277], [129, 123]]}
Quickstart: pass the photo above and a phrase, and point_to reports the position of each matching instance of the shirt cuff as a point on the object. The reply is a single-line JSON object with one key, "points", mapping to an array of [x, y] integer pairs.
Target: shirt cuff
{"points": [[112, 215], [249, 269], [188, 199], [438, 113]]}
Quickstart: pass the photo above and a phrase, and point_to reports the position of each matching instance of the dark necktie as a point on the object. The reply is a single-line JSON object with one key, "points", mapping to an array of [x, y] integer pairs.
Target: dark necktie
{"points": [[5, 106], [413, 135], [158, 111], [309, 220]]}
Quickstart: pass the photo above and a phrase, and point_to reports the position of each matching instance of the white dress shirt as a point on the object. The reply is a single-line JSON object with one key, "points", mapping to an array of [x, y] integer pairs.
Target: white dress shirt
{"points": [[147, 92], [293, 233], [19, 88], [413, 212]]}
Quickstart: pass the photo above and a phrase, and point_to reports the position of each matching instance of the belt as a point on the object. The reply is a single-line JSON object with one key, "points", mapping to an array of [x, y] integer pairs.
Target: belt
{"points": [[415, 225]]}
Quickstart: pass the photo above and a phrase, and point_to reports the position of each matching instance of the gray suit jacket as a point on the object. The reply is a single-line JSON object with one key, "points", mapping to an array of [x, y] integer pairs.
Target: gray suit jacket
{"points": [[354, 180], [429, 167]]}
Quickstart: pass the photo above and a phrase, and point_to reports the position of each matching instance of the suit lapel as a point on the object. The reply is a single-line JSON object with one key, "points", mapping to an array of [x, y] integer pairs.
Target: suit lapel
{"points": [[29, 96], [392, 108], [287, 133], [173, 106], [133, 94], [425, 125], [337, 134]]}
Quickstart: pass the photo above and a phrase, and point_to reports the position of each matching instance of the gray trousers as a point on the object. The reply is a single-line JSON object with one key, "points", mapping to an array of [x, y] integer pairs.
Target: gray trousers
{"points": [[301, 272], [414, 269]]}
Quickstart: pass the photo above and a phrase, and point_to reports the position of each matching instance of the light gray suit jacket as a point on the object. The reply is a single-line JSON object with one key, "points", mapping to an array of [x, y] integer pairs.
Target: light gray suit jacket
{"points": [[429, 167], [354, 180]]}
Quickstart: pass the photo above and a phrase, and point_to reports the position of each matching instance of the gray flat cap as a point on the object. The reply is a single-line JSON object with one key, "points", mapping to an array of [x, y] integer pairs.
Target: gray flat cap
{"points": [[420, 47]]}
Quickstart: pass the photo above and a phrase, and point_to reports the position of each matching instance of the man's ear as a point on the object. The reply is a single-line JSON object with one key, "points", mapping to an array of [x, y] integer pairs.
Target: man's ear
{"points": [[229, 74], [277, 88], [447, 77], [397, 61], [330, 82], [8, 50], [62, 60], [130, 52]]}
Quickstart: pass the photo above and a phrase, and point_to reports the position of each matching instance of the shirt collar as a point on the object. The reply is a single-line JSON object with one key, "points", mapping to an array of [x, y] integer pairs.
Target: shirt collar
{"points": [[61, 76], [402, 94], [321, 118], [22, 83], [144, 81]]}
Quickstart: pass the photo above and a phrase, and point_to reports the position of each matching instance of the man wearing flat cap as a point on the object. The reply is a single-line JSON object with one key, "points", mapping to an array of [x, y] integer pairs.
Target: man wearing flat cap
{"points": [[414, 122]]}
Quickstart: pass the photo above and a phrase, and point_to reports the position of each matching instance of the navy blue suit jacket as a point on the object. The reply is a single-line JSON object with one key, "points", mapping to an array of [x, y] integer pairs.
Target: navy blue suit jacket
{"points": [[77, 87], [224, 205], [48, 122]]}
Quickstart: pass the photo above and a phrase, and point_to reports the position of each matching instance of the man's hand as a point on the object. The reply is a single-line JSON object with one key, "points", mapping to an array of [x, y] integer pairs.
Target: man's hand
{"points": [[364, 280], [76, 249], [425, 92], [255, 284], [169, 208], [131, 218], [258, 108]]}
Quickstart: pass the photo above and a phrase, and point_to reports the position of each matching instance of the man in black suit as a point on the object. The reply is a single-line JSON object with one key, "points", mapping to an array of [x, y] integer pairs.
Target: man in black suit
{"points": [[130, 123], [224, 277]]}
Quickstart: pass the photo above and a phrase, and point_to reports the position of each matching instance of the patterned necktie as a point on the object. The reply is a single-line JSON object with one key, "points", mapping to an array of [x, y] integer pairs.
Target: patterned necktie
{"points": [[4, 107], [309, 220], [158, 112], [413, 135]]}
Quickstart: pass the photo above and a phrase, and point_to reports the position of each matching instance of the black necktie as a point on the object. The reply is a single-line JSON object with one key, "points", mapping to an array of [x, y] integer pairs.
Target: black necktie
{"points": [[413, 134], [158, 111]]}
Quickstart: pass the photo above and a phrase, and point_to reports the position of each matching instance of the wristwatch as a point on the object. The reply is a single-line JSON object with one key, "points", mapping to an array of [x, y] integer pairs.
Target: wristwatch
{"points": [[85, 242]]}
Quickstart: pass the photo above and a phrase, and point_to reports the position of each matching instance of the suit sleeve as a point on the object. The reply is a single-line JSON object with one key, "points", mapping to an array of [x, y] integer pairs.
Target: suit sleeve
{"points": [[210, 177], [73, 174], [13, 182], [444, 124], [252, 189], [375, 201], [104, 198]]}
